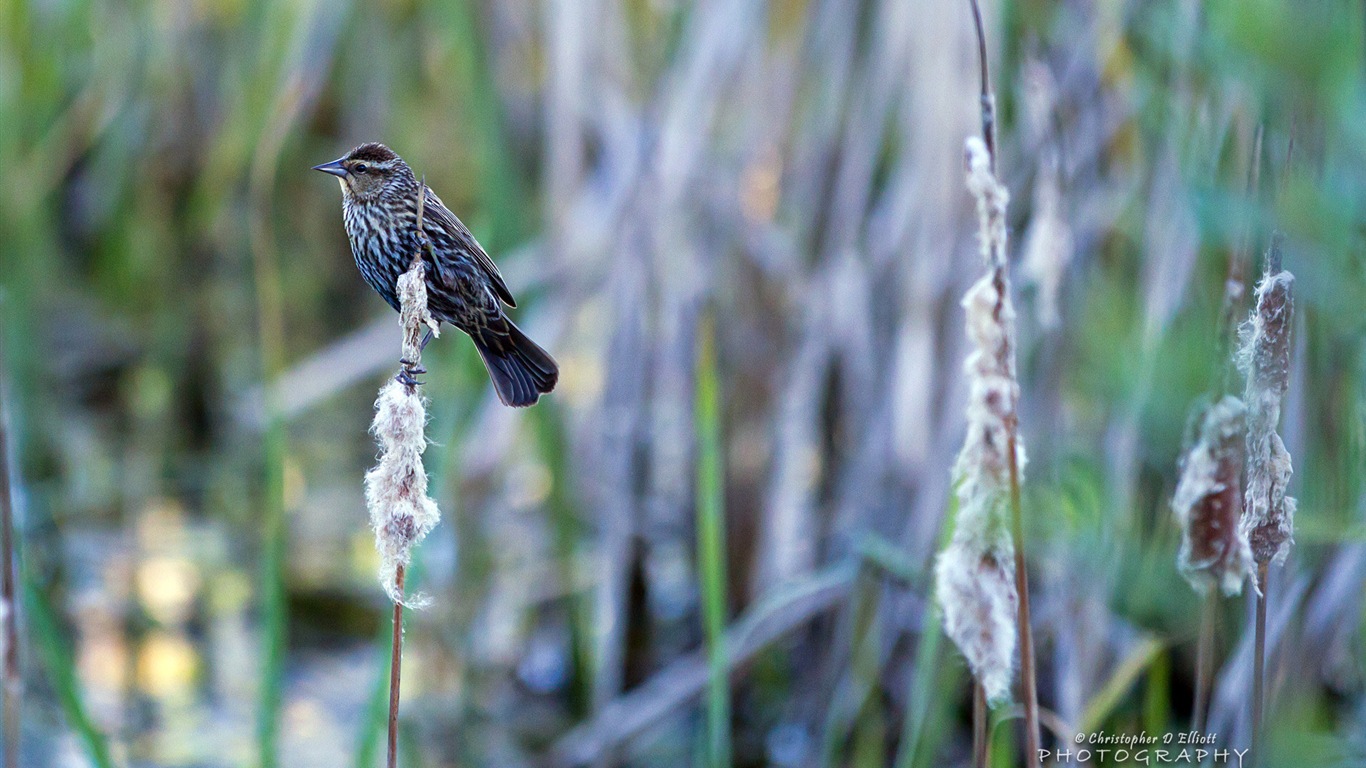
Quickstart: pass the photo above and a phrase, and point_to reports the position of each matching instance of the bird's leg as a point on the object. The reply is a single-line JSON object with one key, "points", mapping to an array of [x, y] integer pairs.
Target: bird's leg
{"points": [[409, 368]]}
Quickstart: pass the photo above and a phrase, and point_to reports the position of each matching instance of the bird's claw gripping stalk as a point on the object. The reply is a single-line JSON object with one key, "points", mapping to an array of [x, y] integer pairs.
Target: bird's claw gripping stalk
{"points": [[406, 376]]}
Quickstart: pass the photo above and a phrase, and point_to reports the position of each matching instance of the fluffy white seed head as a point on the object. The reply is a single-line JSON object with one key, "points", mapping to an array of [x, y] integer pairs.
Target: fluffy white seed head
{"points": [[976, 592], [992, 198], [1209, 500], [975, 574], [1264, 356], [396, 489], [401, 513], [413, 315]]}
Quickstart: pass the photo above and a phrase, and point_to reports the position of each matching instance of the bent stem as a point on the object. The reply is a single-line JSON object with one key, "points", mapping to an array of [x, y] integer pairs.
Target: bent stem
{"points": [[395, 667]]}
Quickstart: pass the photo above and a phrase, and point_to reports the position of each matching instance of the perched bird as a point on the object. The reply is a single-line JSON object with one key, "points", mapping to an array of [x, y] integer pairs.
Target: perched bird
{"points": [[379, 206]]}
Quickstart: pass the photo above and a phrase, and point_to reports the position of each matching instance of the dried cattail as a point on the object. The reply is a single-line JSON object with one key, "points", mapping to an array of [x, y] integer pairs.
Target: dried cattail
{"points": [[992, 198], [396, 489], [1264, 356], [1209, 500], [975, 575], [976, 572]]}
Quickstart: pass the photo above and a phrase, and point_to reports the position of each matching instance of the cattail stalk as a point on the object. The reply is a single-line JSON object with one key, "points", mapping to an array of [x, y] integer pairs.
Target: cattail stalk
{"points": [[401, 512], [982, 581], [976, 582], [395, 666], [1268, 513]]}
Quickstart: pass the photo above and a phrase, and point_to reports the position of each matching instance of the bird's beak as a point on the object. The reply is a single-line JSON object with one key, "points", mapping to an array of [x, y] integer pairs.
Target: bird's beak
{"points": [[335, 168]]}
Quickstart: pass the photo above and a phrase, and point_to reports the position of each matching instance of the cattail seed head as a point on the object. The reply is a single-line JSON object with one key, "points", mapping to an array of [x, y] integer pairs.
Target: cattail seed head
{"points": [[413, 313], [992, 198], [1264, 357], [1209, 501], [976, 592], [401, 513], [975, 574]]}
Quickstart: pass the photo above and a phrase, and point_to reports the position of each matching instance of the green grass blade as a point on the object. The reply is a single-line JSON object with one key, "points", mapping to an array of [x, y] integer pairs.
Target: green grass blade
{"points": [[927, 679], [50, 643], [711, 543], [274, 604], [1121, 680]]}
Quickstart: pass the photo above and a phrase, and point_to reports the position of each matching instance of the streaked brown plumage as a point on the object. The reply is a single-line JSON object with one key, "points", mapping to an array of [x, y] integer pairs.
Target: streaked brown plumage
{"points": [[464, 288]]}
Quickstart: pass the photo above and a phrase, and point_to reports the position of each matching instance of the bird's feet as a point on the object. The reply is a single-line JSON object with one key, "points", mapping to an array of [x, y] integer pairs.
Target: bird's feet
{"points": [[408, 373]]}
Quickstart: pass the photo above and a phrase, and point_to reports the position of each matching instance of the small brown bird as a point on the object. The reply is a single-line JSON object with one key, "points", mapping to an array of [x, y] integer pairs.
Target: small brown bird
{"points": [[379, 206]]}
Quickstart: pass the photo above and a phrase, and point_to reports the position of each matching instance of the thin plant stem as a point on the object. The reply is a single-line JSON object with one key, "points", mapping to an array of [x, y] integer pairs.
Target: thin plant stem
{"points": [[1258, 664], [979, 726], [711, 539], [13, 685], [49, 637], [50, 644], [1028, 683], [395, 667], [988, 98], [375, 713], [1204, 657]]}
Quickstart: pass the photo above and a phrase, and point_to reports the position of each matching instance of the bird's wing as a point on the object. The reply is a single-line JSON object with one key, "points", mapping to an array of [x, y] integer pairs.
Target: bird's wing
{"points": [[436, 212]]}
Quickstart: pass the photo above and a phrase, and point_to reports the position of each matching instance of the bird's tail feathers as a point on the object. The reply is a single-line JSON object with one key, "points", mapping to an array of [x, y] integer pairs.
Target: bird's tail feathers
{"points": [[521, 371]]}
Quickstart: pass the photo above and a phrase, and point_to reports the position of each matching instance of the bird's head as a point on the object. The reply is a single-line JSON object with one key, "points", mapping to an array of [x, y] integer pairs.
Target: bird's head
{"points": [[368, 171]]}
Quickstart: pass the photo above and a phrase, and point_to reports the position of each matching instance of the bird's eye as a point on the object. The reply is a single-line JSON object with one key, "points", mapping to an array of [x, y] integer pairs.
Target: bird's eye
{"points": [[360, 168]]}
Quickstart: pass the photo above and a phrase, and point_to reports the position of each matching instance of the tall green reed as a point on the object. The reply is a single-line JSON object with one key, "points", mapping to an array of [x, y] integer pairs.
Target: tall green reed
{"points": [[711, 544]]}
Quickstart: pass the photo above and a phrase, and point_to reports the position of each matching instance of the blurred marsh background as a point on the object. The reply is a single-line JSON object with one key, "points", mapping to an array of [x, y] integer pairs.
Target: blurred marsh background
{"points": [[191, 360]]}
